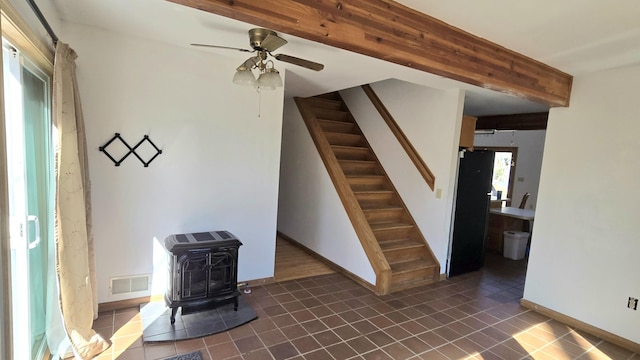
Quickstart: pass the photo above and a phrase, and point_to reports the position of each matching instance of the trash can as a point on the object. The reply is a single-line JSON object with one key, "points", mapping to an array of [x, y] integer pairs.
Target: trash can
{"points": [[515, 244]]}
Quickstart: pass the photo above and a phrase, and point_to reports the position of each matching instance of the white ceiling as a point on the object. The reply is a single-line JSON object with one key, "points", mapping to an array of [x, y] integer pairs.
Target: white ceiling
{"points": [[575, 36]]}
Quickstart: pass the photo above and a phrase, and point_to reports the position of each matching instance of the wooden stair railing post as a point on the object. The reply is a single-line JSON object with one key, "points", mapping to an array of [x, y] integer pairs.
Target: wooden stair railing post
{"points": [[356, 215], [422, 167]]}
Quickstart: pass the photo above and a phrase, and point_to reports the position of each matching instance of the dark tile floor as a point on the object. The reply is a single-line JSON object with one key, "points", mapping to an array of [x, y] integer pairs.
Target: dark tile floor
{"points": [[473, 316]]}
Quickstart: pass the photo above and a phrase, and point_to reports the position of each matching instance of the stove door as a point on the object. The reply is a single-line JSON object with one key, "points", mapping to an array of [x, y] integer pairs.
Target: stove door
{"points": [[194, 276], [220, 277]]}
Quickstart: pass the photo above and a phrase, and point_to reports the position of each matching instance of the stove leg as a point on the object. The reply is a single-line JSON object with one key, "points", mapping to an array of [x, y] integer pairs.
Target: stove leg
{"points": [[173, 315], [235, 303]]}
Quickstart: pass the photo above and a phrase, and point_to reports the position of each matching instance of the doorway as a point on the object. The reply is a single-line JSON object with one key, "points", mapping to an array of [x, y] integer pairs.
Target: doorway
{"points": [[31, 202]]}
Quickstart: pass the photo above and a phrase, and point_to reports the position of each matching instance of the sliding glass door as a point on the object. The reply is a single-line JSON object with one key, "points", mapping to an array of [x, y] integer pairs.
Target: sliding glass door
{"points": [[30, 179]]}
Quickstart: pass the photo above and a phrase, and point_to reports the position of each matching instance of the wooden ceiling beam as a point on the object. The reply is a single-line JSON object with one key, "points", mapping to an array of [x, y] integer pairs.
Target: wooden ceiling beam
{"points": [[530, 121], [387, 30]]}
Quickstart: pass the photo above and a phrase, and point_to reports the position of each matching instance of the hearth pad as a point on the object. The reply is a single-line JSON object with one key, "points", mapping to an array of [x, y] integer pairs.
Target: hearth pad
{"points": [[158, 328]]}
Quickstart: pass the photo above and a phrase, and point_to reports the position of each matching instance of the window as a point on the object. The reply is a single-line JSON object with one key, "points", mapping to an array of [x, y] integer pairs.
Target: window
{"points": [[504, 169]]}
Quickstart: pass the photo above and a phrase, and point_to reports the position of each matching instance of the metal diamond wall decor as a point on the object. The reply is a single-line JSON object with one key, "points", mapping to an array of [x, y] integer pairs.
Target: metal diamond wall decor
{"points": [[131, 150]]}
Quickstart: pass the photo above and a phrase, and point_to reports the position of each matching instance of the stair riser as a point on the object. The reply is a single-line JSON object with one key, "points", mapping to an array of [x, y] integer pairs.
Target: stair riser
{"points": [[382, 235], [385, 216], [329, 96], [339, 127], [374, 181], [350, 168], [326, 114], [414, 253], [326, 104], [426, 273], [345, 139], [373, 204], [374, 198], [352, 154], [370, 184]]}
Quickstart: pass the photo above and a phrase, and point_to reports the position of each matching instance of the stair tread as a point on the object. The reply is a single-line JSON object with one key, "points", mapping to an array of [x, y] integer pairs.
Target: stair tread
{"points": [[347, 147], [381, 207], [324, 113], [373, 192], [411, 265], [331, 110], [345, 121], [332, 133], [389, 225], [335, 121], [358, 161], [396, 244], [365, 176]]}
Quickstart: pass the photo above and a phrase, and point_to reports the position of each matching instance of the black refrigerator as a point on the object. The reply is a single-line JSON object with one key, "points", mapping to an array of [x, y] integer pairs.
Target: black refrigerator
{"points": [[471, 214]]}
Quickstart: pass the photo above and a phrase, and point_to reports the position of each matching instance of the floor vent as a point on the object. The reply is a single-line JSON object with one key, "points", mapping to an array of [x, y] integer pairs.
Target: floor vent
{"points": [[129, 284]]}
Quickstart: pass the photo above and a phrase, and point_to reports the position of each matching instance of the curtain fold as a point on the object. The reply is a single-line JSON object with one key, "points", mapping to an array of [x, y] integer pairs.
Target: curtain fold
{"points": [[75, 262]]}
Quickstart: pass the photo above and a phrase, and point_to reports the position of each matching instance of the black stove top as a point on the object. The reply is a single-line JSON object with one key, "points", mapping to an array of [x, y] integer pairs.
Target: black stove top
{"points": [[213, 238]]}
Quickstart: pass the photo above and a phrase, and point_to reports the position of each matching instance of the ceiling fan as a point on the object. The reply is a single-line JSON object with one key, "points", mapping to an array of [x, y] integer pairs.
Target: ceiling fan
{"points": [[264, 42]]}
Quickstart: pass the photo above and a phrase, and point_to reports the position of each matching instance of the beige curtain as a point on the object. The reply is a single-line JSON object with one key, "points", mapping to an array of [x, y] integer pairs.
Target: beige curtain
{"points": [[74, 239]]}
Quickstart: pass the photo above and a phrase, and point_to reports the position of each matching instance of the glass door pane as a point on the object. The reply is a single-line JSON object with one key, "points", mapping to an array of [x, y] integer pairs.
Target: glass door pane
{"points": [[29, 164], [17, 201], [38, 170]]}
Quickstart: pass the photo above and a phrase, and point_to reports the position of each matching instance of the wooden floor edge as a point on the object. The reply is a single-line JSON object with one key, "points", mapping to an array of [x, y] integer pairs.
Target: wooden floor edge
{"points": [[328, 262], [127, 303], [257, 282], [580, 325]]}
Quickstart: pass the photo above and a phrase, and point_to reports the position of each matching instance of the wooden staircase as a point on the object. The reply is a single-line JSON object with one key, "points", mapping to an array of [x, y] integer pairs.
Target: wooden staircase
{"points": [[396, 248]]}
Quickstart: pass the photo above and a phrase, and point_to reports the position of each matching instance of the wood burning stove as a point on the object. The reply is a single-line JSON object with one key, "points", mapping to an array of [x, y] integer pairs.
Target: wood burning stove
{"points": [[203, 270]]}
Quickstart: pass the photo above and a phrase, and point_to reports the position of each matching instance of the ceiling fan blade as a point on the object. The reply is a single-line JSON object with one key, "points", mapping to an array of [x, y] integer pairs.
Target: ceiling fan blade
{"points": [[300, 62], [223, 47], [272, 42]]}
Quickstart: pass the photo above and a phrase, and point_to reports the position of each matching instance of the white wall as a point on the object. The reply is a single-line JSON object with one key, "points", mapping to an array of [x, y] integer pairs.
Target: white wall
{"points": [[530, 146], [431, 121], [220, 163], [310, 210], [584, 255]]}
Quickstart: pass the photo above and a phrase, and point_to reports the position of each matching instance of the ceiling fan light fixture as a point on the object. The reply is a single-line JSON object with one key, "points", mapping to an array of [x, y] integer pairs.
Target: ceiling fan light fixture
{"points": [[244, 77], [270, 79]]}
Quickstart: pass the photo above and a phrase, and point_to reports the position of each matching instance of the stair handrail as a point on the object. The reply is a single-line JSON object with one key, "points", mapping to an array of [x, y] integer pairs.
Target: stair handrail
{"points": [[360, 224], [420, 165]]}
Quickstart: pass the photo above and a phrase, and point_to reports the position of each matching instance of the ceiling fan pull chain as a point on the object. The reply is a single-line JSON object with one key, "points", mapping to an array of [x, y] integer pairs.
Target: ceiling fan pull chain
{"points": [[259, 101]]}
